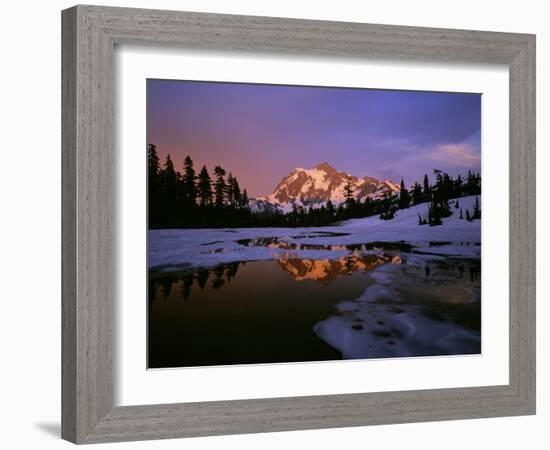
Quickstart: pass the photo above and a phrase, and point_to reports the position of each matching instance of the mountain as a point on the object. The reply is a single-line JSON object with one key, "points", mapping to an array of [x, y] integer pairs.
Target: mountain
{"points": [[322, 183], [264, 207]]}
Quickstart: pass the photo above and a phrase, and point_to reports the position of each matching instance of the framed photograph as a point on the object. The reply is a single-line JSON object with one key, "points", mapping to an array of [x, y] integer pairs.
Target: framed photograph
{"points": [[278, 224]]}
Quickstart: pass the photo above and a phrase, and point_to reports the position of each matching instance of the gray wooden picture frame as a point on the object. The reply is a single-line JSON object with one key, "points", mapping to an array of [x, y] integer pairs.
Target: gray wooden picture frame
{"points": [[90, 34]]}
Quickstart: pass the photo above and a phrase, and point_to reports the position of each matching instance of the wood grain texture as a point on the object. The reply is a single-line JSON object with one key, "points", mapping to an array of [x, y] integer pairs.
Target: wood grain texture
{"points": [[68, 224], [523, 224], [89, 37]]}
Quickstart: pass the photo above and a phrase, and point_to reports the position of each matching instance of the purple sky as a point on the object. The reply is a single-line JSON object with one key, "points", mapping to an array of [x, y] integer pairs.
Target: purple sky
{"points": [[261, 132]]}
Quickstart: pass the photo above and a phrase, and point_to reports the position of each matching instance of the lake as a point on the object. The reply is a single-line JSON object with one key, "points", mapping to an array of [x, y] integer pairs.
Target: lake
{"points": [[372, 300]]}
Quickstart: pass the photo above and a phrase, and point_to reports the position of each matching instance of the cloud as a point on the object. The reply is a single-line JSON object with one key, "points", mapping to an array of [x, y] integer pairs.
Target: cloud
{"points": [[454, 155]]}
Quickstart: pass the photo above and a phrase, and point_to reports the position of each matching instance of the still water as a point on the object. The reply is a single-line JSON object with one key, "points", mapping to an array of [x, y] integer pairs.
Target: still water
{"points": [[386, 303]]}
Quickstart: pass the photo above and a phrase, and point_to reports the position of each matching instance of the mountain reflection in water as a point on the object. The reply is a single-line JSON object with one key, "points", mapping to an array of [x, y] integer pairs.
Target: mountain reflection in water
{"points": [[323, 271], [326, 270], [380, 303]]}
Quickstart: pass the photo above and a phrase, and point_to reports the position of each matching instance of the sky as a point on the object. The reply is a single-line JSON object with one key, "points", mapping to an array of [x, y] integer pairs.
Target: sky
{"points": [[261, 132]]}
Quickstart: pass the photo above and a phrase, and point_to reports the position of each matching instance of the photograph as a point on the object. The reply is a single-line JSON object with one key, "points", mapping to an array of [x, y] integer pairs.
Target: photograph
{"points": [[290, 224]]}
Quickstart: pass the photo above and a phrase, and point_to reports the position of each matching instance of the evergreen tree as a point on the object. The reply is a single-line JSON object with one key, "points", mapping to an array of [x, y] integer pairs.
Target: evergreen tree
{"points": [[331, 211], [434, 217], [169, 178], [470, 184], [244, 200], [387, 208], [473, 184], [417, 194], [387, 215], [404, 196], [438, 210], [179, 187], [348, 193], [229, 191], [427, 191], [204, 187], [153, 168], [324, 218], [219, 186], [458, 186], [236, 192], [153, 180], [446, 187], [188, 181], [477, 210], [368, 207]]}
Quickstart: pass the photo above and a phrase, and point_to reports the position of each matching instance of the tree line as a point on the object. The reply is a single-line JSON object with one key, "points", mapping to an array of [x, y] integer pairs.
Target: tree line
{"points": [[437, 196], [190, 200], [444, 190], [187, 199]]}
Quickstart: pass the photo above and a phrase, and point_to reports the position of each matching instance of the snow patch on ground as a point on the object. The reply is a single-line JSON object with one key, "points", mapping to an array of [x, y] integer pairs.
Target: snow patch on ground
{"points": [[210, 247], [377, 331], [381, 324]]}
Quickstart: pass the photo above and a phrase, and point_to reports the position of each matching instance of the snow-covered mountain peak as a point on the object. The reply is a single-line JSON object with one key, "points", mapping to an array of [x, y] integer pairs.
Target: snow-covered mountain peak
{"points": [[325, 167], [322, 183]]}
